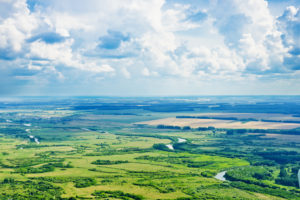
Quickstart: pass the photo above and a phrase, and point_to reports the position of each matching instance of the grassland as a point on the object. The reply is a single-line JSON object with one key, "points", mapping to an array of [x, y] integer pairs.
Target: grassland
{"points": [[101, 154]]}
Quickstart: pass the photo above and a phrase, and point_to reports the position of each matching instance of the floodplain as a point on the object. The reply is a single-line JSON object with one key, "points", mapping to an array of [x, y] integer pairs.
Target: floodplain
{"points": [[101, 148]]}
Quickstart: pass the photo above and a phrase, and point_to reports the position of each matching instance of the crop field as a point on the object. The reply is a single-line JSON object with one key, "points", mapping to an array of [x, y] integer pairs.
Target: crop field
{"points": [[258, 116], [231, 124], [53, 153]]}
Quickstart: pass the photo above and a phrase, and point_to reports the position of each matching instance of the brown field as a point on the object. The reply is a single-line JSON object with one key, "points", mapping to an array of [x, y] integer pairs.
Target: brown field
{"points": [[195, 123], [259, 116]]}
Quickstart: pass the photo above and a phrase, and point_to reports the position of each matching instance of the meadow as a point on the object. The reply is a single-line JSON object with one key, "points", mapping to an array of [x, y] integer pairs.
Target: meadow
{"points": [[100, 150]]}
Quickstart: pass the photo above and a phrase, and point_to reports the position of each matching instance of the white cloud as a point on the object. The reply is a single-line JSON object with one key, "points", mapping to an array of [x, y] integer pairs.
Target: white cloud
{"points": [[146, 72], [255, 37], [125, 72], [16, 27], [289, 24], [156, 38]]}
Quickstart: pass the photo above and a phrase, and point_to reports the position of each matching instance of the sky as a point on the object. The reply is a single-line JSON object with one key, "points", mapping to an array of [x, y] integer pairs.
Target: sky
{"points": [[149, 48]]}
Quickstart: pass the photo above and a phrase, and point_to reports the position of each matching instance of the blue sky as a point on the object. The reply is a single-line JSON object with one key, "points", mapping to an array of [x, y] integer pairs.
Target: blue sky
{"points": [[153, 47]]}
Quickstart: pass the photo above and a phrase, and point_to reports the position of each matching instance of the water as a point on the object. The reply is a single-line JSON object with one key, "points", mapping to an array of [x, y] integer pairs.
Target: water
{"points": [[170, 146], [220, 176], [181, 140], [35, 139]]}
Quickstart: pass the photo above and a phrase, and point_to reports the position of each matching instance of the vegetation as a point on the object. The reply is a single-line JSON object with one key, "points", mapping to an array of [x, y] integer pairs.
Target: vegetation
{"points": [[19, 190], [109, 162], [84, 182], [117, 194], [93, 150]]}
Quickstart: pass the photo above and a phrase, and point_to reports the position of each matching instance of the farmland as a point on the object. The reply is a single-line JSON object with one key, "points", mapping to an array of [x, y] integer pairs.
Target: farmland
{"points": [[101, 148], [217, 123]]}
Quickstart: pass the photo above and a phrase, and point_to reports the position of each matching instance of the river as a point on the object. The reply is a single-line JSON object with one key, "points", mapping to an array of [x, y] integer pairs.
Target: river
{"points": [[181, 140], [220, 176], [170, 146]]}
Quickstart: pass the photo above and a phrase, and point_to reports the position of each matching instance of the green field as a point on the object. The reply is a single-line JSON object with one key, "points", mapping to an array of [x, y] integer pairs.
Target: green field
{"points": [[92, 154]]}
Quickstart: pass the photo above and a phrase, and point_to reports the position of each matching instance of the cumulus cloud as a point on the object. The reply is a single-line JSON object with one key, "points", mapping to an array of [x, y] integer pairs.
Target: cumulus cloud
{"points": [[108, 40], [289, 23], [249, 29], [146, 72], [112, 40], [16, 25], [48, 37]]}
